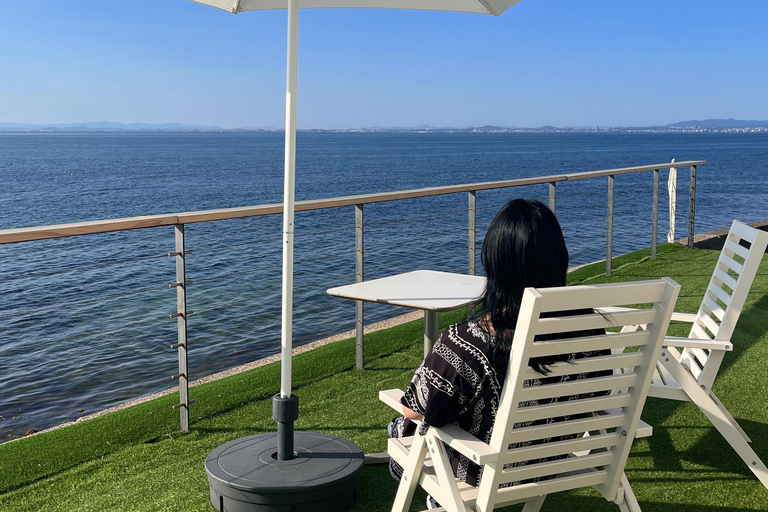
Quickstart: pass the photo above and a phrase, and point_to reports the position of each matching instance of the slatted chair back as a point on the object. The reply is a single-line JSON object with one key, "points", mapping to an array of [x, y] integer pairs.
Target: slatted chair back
{"points": [[539, 420], [724, 299]]}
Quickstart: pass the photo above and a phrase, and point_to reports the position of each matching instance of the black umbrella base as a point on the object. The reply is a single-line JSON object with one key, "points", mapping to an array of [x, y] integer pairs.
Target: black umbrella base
{"points": [[246, 476]]}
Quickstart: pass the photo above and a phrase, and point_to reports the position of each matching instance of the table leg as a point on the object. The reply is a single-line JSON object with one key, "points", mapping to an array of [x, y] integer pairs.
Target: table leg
{"points": [[431, 330]]}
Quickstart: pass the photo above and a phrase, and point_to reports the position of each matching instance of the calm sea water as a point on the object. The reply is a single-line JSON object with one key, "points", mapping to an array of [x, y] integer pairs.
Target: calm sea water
{"points": [[84, 321]]}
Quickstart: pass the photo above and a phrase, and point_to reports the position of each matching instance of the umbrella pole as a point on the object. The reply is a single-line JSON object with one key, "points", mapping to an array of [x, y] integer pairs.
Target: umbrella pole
{"points": [[285, 408]]}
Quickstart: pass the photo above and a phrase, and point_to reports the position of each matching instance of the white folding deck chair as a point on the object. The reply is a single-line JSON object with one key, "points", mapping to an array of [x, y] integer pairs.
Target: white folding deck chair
{"points": [[687, 371], [520, 433]]}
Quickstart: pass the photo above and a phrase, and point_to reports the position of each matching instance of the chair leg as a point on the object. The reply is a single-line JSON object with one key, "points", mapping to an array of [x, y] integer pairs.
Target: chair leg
{"points": [[535, 504], [630, 503], [410, 478], [731, 419], [720, 418], [449, 497]]}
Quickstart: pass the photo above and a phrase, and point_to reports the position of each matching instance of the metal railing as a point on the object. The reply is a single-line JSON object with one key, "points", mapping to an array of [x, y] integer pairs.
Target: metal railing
{"points": [[179, 220]]}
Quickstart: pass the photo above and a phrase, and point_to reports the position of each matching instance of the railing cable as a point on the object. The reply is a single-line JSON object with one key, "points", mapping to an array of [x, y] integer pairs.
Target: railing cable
{"points": [[80, 303], [73, 269]]}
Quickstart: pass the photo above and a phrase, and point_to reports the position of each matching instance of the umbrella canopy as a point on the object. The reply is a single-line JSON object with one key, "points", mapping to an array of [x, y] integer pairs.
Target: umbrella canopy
{"points": [[494, 7]]}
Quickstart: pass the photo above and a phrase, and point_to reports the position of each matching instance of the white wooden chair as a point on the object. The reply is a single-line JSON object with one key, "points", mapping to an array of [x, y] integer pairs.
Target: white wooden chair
{"points": [[520, 433], [688, 366]]}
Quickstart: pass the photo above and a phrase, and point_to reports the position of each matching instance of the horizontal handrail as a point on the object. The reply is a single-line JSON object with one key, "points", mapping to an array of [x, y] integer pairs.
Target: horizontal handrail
{"points": [[172, 219], [179, 220]]}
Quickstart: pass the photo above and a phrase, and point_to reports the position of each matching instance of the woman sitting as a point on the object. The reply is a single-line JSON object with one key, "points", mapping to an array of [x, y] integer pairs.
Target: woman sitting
{"points": [[460, 381]]}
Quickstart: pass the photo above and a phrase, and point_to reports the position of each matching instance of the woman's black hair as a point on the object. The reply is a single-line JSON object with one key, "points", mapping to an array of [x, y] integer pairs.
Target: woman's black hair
{"points": [[524, 246]]}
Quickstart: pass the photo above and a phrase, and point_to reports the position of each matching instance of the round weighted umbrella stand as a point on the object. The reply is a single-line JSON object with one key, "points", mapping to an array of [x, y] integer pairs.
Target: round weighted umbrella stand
{"points": [[248, 474]]}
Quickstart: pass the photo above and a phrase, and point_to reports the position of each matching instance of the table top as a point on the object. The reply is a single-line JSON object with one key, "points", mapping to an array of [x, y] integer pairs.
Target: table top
{"points": [[421, 289]]}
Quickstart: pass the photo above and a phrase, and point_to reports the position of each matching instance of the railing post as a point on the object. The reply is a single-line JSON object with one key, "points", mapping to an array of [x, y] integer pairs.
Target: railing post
{"points": [[181, 322], [472, 230], [552, 195], [655, 212], [609, 242], [692, 206], [359, 312]]}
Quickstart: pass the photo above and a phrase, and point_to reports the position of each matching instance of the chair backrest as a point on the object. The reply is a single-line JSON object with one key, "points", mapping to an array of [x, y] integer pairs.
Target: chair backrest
{"points": [[725, 296], [539, 420]]}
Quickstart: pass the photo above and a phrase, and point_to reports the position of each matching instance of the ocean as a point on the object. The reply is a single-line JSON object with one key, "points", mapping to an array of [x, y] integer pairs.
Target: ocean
{"points": [[84, 321]]}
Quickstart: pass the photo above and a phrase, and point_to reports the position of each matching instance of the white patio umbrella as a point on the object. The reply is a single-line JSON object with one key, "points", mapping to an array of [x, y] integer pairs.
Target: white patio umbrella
{"points": [[237, 475], [494, 7]]}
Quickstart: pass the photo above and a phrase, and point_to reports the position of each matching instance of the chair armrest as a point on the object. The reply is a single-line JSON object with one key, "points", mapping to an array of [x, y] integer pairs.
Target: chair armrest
{"points": [[465, 443], [683, 317], [392, 397], [678, 317], [672, 341]]}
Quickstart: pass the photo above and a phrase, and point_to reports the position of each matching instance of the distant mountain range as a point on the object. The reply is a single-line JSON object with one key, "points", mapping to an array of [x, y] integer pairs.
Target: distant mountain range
{"points": [[720, 123], [105, 126]]}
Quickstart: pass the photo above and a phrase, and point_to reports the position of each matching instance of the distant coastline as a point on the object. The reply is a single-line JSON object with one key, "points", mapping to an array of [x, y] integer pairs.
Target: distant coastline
{"points": [[695, 126]]}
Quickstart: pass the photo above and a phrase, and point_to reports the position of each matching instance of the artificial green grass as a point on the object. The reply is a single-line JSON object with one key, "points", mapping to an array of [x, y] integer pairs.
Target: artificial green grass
{"points": [[136, 459]]}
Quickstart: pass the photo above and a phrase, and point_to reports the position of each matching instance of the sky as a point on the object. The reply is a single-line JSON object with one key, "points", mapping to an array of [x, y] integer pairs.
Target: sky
{"points": [[542, 62]]}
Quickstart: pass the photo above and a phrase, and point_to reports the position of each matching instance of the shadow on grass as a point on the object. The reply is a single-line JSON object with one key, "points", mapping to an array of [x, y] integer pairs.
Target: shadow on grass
{"points": [[712, 450], [599, 505], [581, 503], [214, 411], [378, 489], [701, 475], [404, 367], [662, 450], [336, 428], [752, 321], [248, 431]]}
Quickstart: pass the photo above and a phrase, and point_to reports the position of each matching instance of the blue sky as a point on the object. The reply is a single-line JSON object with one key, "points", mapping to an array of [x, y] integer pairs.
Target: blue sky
{"points": [[558, 62]]}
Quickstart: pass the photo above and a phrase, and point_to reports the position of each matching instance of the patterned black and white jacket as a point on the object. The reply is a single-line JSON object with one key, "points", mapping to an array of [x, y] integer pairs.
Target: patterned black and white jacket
{"points": [[460, 382]]}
